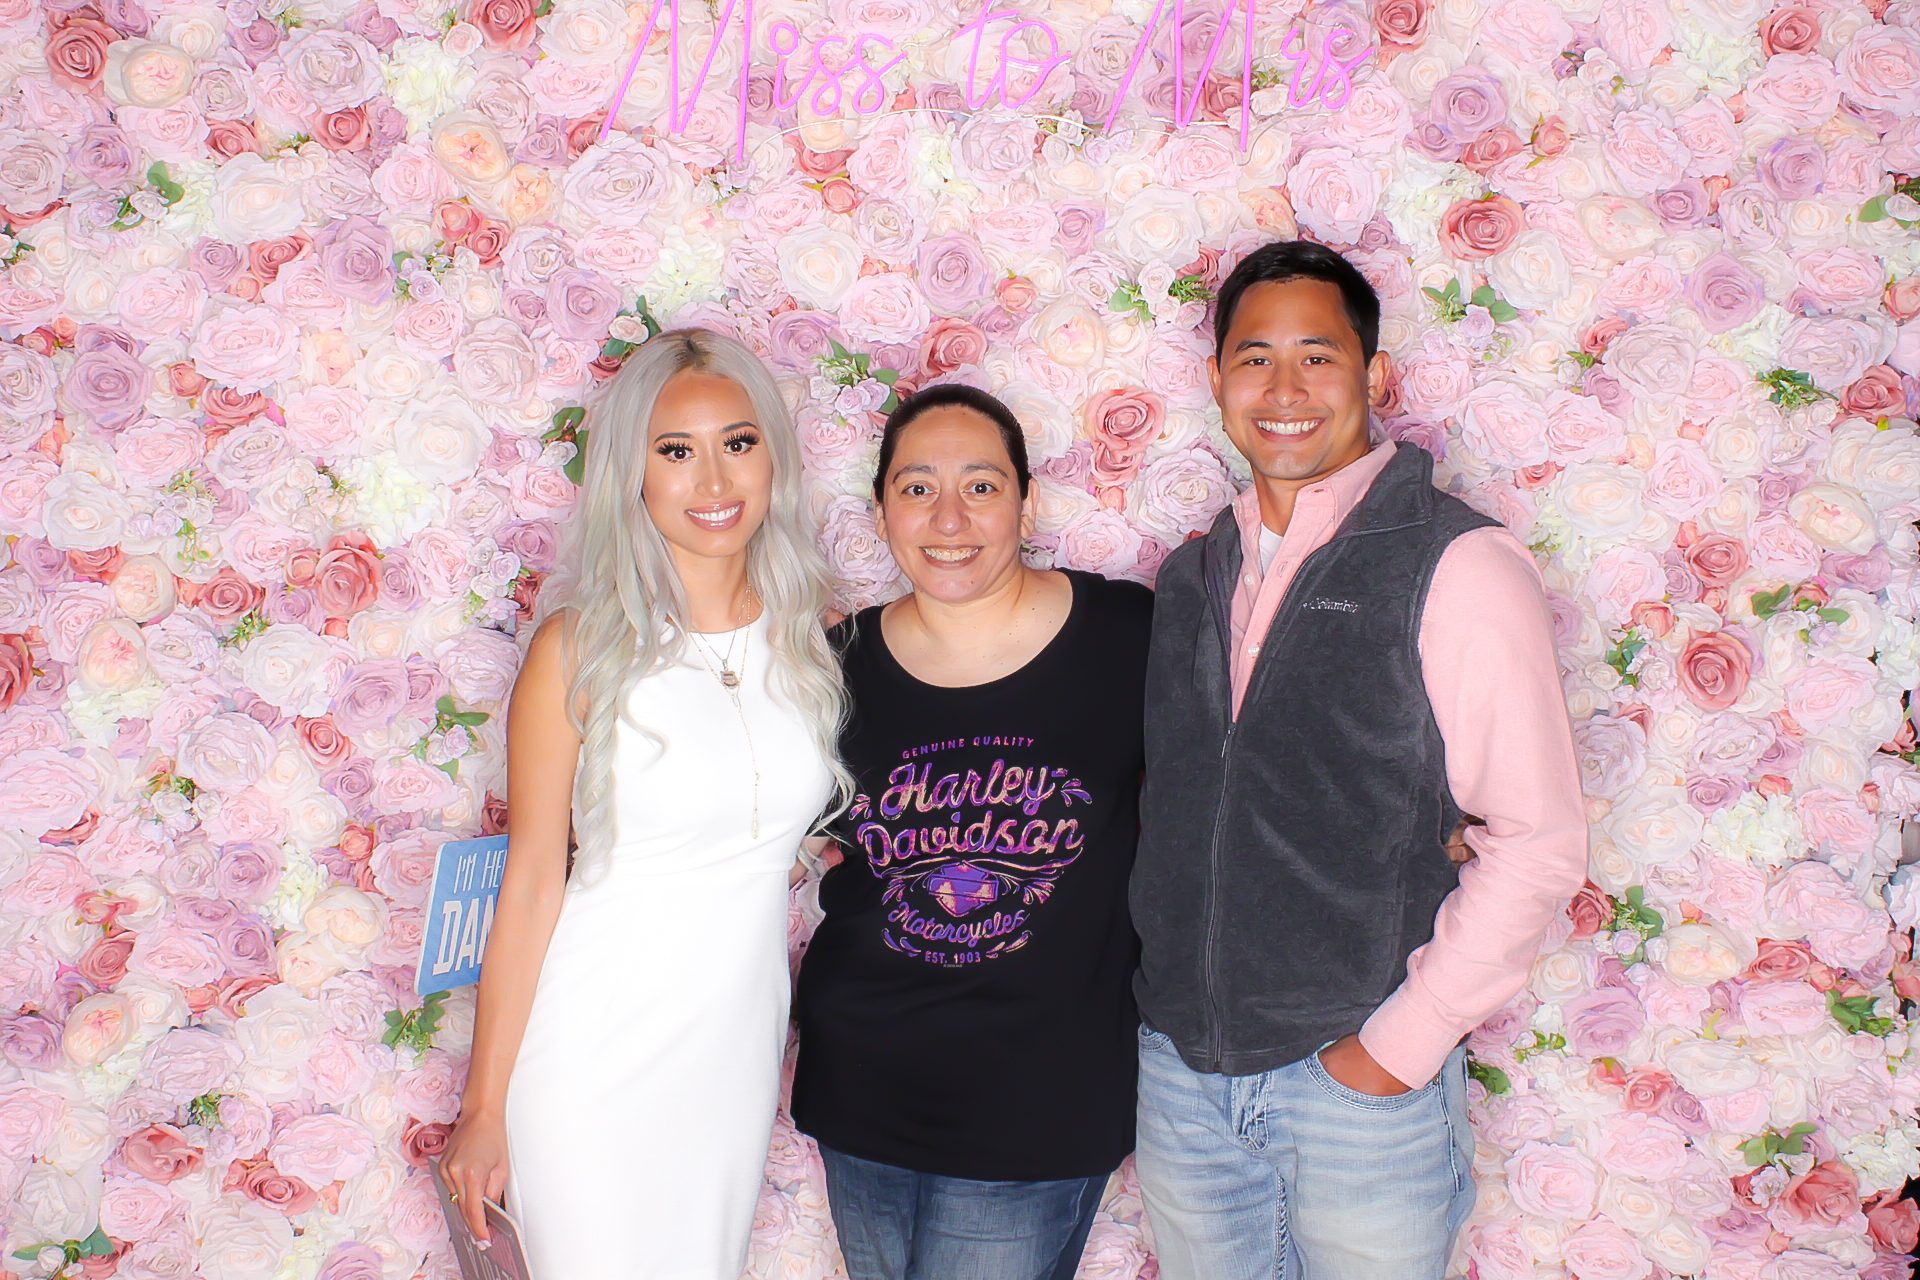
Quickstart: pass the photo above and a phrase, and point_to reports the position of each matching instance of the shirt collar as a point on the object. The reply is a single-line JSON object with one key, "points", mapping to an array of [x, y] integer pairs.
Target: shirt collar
{"points": [[1341, 491]]}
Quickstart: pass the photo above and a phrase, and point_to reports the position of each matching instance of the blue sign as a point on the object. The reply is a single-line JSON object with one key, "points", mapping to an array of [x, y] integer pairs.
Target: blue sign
{"points": [[466, 885]]}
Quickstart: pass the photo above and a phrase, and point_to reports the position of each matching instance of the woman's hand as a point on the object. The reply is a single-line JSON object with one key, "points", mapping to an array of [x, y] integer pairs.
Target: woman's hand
{"points": [[475, 1166], [1459, 852]]}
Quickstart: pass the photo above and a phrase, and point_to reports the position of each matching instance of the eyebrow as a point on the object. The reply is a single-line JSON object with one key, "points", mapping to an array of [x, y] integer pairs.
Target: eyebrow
{"points": [[1312, 340], [688, 435], [926, 468]]}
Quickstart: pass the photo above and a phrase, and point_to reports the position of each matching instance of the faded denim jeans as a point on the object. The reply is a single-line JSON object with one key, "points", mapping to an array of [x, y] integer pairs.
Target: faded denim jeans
{"points": [[1290, 1175], [895, 1224]]}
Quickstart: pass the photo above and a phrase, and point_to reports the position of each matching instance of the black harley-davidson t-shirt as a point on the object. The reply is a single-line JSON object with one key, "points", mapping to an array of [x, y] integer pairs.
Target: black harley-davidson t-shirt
{"points": [[965, 1007]]}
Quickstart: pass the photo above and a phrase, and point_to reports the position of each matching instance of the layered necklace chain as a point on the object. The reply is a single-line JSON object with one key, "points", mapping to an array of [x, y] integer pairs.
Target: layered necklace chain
{"points": [[721, 667]]}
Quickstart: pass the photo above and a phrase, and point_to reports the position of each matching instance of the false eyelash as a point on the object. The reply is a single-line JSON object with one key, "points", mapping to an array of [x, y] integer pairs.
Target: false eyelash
{"points": [[737, 437]]}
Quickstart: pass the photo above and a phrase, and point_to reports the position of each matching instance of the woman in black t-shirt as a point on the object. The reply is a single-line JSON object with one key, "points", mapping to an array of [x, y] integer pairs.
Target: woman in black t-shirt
{"points": [[967, 1032]]}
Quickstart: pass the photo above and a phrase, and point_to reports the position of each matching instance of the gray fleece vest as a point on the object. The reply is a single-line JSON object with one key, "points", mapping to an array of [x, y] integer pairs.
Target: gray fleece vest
{"points": [[1291, 861]]}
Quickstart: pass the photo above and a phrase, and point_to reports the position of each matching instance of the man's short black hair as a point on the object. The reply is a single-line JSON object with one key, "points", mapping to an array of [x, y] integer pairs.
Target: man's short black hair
{"points": [[946, 395], [1301, 260]]}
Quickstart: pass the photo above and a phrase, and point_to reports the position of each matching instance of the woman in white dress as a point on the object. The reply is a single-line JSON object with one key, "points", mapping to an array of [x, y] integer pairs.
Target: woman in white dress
{"points": [[632, 1014]]}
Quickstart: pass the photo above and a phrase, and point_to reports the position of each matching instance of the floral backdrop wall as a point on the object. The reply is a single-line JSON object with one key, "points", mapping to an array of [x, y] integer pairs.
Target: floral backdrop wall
{"points": [[301, 304]]}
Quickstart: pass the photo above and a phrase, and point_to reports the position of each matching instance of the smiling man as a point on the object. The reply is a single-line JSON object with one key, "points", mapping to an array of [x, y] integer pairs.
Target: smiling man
{"points": [[1344, 665]]}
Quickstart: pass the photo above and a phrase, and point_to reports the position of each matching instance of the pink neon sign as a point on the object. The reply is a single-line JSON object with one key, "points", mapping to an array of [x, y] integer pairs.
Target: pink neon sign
{"points": [[867, 56]]}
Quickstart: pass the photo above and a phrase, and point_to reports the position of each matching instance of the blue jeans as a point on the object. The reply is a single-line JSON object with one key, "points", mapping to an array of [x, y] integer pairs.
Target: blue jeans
{"points": [[895, 1224], [1290, 1175]]}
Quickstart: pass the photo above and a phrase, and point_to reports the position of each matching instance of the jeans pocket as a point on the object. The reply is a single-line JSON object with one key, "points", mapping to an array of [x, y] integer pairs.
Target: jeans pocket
{"points": [[1366, 1101], [1151, 1039]]}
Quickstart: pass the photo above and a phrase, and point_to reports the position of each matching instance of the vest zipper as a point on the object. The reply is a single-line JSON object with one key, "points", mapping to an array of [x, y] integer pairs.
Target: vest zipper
{"points": [[1214, 1018]]}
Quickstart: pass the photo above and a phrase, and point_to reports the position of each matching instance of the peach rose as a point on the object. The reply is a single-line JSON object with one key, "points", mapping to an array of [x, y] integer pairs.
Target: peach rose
{"points": [[1824, 1196]]}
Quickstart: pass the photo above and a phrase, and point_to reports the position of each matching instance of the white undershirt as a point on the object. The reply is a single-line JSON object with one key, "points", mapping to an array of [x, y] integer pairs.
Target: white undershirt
{"points": [[1269, 547]]}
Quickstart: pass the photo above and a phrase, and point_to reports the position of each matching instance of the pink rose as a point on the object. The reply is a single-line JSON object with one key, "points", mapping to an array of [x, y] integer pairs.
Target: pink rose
{"points": [[1825, 1196], [1500, 422], [42, 790], [1603, 1022], [16, 669], [347, 578], [1552, 1181], [1792, 28], [504, 24], [1644, 151], [1334, 192], [1810, 899], [321, 1148], [77, 53], [1122, 423], [1840, 279], [257, 1179], [1714, 670], [1602, 1250], [1830, 690], [1474, 229], [1799, 90], [1783, 1008], [248, 348], [1716, 560], [1402, 24], [1880, 68], [884, 308], [1725, 292], [1893, 1224], [160, 1153]]}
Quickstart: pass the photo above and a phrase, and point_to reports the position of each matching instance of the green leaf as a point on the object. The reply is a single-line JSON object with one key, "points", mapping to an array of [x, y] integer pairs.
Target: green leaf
{"points": [[205, 1110], [29, 1253], [451, 768], [576, 468], [160, 180], [1791, 389], [469, 719], [1759, 1151], [888, 376], [445, 706], [615, 349], [1502, 311], [96, 1245], [566, 421], [1583, 359], [1767, 603], [1830, 614], [1874, 210], [839, 352], [1856, 1016], [1493, 1078]]}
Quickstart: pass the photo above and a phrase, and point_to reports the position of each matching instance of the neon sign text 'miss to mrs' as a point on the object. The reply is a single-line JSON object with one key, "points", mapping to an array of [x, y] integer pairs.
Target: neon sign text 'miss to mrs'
{"points": [[842, 72]]}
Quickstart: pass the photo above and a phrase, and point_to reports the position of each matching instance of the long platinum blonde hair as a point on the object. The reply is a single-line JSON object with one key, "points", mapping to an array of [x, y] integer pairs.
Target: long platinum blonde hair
{"points": [[618, 577]]}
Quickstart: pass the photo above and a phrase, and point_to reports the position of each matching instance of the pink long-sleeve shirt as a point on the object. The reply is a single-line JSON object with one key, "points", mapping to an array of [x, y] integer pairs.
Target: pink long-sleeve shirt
{"points": [[1487, 659]]}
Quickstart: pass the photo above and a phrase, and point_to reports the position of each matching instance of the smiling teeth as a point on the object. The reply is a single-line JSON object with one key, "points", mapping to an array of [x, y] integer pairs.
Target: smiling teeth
{"points": [[1290, 428], [715, 517], [950, 555]]}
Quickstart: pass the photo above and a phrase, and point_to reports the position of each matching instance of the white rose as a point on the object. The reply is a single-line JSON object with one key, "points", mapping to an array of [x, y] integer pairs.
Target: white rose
{"points": [[1712, 1068], [242, 1240], [252, 202], [819, 264], [440, 437], [51, 1204], [81, 514], [146, 73], [287, 665], [1699, 954], [1532, 272], [1159, 224]]}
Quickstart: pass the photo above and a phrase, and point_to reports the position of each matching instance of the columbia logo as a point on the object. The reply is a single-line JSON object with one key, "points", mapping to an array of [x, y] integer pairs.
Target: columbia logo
{"points": [[1336, 606]]}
